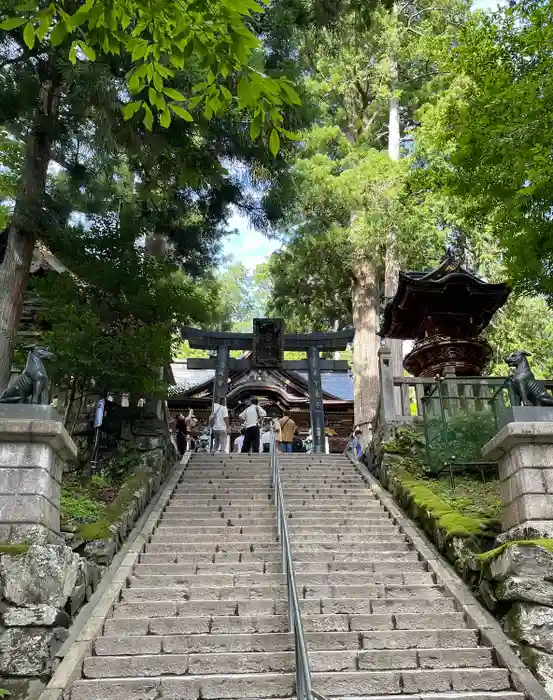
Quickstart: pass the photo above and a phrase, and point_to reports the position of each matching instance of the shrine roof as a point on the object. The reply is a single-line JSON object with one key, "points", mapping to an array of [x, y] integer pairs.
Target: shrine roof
{"points": [[339, 384], [336, 384], [448, 299], [189, 378]]}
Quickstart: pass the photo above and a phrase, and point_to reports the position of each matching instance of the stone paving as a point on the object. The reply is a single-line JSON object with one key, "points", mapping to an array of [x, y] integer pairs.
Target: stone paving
{"points": [[204, 614]]}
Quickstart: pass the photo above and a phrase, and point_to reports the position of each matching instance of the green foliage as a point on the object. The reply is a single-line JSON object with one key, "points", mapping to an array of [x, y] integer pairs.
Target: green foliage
{"points": [[459, 438], [157, 41], [546, 543], [480, 145], [119, 467], [405, 442], [4, 693], [525, 323], [94, 504], [80, 507], [114, 317]]}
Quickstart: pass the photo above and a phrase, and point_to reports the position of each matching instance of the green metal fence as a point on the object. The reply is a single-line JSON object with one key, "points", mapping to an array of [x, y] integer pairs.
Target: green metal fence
{"points": [[459, 420]]}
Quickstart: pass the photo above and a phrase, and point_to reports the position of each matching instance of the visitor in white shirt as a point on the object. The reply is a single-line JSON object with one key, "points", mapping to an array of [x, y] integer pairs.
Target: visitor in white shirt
{"points": [[218, 420], [252, 416], [239, 440]]}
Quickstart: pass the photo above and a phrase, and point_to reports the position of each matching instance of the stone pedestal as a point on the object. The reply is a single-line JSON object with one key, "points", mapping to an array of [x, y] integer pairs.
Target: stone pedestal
{"points": [[34, 447], [524, 453]]}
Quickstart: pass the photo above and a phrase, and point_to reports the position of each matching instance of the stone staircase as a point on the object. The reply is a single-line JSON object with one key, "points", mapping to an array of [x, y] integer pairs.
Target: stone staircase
{"points": [[205, 614]]}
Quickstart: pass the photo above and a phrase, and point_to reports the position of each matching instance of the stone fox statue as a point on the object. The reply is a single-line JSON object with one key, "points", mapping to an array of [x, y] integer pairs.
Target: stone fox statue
{"points": [[529, 390], [32, 382]]}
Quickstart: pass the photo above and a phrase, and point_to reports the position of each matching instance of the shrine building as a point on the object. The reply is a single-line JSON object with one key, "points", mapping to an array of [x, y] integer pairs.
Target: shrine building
{"points": [[277, 390]]}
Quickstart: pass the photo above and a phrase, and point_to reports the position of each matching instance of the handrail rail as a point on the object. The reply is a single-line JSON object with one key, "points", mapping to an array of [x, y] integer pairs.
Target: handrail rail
{"points": [[304, 690]]}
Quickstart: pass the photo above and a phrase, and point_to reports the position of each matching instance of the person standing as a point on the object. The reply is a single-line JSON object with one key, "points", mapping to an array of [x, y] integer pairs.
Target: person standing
{"points": [[180, 434], [239, 440], [219, 424], [278, 433], [287, 428], [297, 443], [191, 422], [252, 416]]}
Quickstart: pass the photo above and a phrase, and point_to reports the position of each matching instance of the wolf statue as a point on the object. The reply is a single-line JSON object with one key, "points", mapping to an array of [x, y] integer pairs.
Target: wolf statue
{"points": [[32, 384], [529, 390]]}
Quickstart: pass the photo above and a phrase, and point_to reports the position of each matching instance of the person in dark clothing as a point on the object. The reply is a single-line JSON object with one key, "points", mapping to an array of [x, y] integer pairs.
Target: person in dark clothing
{"points": [[180, 434], [297, 443]]}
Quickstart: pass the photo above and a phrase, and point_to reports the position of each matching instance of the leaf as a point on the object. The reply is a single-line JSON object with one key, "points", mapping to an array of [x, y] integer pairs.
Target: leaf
{"points": [[58, 34], [291, 94], [73, 53], [4, 693], [12, 23], [130, 109], [243, 93], [165, 118], [292, 135], [158, 82], [148, 117], [274, 142], [43, 27], [87, 50], [181, 112], [255, 127], [139, 51], [174, 94], [29, 35]]}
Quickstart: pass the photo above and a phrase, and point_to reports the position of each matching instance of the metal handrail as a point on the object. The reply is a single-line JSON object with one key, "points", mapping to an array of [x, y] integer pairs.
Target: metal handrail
{"points": [[304, 690]]}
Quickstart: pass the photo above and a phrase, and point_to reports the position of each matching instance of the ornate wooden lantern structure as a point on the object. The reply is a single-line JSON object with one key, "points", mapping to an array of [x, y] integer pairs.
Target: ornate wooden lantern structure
{"points": [[444, 312]]}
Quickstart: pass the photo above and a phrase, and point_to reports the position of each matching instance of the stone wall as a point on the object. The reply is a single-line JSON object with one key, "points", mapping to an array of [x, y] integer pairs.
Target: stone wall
{"points": [[514, 581], [43, 589], [518, 585]]}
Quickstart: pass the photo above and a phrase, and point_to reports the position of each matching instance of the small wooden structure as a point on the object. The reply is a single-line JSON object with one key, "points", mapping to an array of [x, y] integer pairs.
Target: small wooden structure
{"points": [[443, 311]]}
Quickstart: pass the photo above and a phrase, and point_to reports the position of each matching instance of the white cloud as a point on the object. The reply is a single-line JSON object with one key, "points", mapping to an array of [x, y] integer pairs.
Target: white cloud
{"points": [[249, 245]]}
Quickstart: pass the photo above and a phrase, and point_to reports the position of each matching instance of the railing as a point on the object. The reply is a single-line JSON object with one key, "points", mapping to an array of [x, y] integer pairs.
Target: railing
{"points": [[304, 690]]}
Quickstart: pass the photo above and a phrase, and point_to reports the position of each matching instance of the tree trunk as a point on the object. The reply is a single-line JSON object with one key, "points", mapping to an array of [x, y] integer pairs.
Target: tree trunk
{"points": [[24, 226], [391, 265], [365, 302]]}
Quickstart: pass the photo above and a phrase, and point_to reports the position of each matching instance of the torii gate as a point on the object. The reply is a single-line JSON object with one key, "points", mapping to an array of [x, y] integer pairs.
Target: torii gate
{"points": [[268, 343]]}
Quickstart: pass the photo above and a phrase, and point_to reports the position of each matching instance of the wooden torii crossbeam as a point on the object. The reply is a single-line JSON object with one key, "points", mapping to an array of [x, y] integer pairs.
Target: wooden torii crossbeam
{"points": [[268, 342]]}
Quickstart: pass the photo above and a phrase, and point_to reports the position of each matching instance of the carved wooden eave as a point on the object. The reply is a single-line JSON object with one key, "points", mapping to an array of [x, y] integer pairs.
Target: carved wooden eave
{"points": [[289, 388]]}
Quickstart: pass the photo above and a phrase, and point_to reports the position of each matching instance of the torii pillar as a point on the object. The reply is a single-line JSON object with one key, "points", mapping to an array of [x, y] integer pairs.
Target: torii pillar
{"points": [[268, 343]]}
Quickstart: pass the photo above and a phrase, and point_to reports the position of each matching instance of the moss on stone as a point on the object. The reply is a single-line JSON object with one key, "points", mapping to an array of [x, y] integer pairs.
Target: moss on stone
{"points": [[546, 543], [99, 529], [454, 523], [14, 550]]}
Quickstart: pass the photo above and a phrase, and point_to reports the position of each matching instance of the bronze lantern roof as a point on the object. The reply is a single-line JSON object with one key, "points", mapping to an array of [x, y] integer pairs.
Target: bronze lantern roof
{"points": [[448, 301]]}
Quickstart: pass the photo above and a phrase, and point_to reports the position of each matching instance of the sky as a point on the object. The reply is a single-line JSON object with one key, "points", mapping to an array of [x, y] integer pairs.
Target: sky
{"points": [[250, 246]]}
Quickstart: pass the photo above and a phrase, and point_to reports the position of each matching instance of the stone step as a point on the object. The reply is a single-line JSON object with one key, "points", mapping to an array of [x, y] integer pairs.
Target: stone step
{"points": [[205, 643], [160, 574], [279, 641], [267, 606], [269, 529], [244, 556], [281, 685], [268, 624], [387, 542], [180, 664], [184, 588], [267, 521], [215, 510], [175, 590]]}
